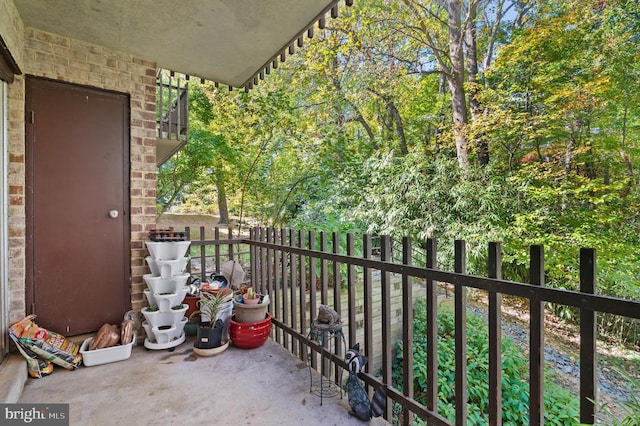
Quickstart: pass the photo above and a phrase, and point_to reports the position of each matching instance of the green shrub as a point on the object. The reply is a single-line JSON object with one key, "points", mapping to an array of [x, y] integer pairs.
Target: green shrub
{"points": [[561, 407]]}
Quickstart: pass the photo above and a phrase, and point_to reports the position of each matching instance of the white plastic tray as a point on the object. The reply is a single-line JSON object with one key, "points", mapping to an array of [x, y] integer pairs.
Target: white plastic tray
{"points": [[106, 355]]}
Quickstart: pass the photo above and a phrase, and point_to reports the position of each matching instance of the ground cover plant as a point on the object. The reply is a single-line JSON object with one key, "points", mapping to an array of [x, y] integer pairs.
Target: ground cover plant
{"points": [[560, 405]]}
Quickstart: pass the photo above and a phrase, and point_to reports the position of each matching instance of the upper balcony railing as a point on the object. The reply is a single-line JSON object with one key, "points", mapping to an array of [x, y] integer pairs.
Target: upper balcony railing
{"points": [[172, 113], [375, 298]]}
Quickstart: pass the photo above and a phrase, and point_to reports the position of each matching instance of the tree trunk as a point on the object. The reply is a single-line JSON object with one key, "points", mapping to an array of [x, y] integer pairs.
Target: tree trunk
{"points": [[472, 61], [222, 200], [482, 150], [358, 114], [395, 116], [568, 162], [454, 73], [626, 158], [456, 82]]}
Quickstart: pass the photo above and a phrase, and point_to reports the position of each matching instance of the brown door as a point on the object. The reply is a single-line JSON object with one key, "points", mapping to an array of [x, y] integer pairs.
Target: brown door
{"points": [[78, 267]]}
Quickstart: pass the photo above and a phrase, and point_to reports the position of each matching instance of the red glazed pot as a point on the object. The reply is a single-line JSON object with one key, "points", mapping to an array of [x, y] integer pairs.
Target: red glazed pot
{"points": [[249, 335]]}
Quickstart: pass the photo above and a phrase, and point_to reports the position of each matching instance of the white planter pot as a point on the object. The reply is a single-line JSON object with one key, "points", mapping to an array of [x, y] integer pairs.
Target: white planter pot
{"points": [[172, 250], [167, 268], [161, 319], [164, 301], [164, 334], [166, 285]]}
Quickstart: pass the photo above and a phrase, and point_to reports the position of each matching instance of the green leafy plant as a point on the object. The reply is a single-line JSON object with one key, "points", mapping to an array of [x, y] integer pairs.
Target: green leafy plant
{"points": [[211, 303], [560, 406]]}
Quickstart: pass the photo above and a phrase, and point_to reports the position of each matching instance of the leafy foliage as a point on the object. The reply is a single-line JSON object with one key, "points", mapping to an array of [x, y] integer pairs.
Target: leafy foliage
{"points": [[560, 406], [359, 130], [427, 198]]}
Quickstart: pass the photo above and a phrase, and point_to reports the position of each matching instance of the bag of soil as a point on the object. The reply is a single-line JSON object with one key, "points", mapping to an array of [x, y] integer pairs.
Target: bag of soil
{"points": [[36, 366], [48, 345]]}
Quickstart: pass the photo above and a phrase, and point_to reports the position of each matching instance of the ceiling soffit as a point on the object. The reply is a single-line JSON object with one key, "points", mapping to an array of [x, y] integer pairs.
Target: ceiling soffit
{"points": [[232, 42]]}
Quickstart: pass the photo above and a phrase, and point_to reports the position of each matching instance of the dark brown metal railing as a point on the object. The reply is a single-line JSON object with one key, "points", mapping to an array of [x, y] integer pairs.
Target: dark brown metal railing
{"points": [[172, 110], [288, 266]]}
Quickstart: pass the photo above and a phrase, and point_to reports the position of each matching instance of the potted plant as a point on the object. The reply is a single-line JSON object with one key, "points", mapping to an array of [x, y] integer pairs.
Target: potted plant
{"points": [[251, 297], [251, 306], [212, 306], [250, 324]]}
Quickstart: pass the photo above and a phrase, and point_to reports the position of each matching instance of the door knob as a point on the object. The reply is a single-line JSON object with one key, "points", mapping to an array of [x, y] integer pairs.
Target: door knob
{"points": [[113, 214]]}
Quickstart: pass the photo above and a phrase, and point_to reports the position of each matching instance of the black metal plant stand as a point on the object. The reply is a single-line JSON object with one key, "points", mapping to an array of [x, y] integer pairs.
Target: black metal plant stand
{"points": [[326, 335]]}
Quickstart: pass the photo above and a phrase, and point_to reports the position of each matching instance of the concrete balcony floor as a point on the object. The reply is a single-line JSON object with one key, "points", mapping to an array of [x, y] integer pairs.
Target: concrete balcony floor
{"points": [[263, 386]]}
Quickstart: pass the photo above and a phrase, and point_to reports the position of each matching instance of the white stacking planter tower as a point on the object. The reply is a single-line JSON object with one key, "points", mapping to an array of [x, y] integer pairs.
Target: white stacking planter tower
{"points": [[167, 289]]}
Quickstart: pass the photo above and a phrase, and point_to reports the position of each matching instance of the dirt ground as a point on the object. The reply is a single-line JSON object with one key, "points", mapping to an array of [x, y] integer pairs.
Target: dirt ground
{"points": [[194, 222]]}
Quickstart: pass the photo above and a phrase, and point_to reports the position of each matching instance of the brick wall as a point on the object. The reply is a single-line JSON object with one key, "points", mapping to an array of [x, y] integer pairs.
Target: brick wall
{"points": [[52, 56], [11, 29], [12, 32]]}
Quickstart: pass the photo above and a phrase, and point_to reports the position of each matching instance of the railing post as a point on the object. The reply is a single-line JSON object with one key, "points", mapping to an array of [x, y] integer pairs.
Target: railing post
{"points": [[187, 233], [284, 282], [216, 234], [536, 339], [269, 267], [324, 270], [275, 285], [203, 256], [303, 293], [230, 250], [263, 261], [252, 258], [312, 288], [460, 303], [432, 329], [160, 108], [169, 103], [351, 292], [337, 303], [385, 282], [324, 294], [368, 301], [337, 278], [293, 275], [495, 337], [587, 339], [407, 329]]}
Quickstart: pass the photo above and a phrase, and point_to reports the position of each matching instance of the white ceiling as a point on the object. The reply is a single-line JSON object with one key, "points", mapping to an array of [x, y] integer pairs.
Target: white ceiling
{"points": [[226, 41]]}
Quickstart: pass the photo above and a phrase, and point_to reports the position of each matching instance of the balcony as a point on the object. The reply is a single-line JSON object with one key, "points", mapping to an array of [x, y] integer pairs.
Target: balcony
{"points": [[375, 299]]}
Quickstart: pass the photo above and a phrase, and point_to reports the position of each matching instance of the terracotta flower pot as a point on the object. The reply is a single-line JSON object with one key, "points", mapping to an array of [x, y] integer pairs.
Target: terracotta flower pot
{"points": [[248, 301], [192, 302]]}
